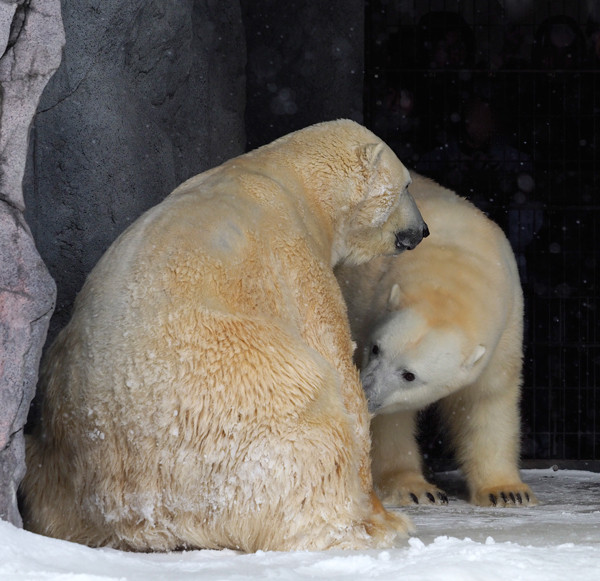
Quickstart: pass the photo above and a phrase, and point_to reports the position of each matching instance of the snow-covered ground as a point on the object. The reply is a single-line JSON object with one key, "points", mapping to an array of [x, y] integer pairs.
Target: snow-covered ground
{"points": [[555, 541]]}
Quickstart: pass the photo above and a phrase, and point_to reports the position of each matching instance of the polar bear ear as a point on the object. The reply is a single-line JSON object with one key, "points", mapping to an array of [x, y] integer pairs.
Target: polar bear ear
{"points": [[477, 354], [394, 298], [372, 153]]}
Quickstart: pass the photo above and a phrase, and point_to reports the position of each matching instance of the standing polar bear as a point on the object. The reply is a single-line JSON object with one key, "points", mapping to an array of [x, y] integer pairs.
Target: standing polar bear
{"points": [[203, 395], [443, 323]]}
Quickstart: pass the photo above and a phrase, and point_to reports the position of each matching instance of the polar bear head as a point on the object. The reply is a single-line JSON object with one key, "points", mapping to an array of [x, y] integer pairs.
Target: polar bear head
{"points": [[386, 219], [408, 364]]}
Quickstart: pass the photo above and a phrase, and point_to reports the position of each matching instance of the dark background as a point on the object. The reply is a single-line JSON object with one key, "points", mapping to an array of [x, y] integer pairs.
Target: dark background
{"points": [[500, 101], [496, 99]]}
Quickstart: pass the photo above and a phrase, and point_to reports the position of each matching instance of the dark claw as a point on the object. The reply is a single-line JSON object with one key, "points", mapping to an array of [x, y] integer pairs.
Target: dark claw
{"points": [[493, 499], [527, 496], [504, 497], [431, 498], [443, 497], [512, 498], [519, 498], [414, 498]]}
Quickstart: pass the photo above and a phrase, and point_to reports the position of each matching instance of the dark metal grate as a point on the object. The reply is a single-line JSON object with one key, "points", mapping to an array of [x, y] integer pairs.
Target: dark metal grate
{"points": [[503, 106]]}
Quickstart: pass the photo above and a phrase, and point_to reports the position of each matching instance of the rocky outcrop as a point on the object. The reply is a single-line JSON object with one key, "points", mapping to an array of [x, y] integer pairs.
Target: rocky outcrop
{"points": [[31, 39], [149, 93]]}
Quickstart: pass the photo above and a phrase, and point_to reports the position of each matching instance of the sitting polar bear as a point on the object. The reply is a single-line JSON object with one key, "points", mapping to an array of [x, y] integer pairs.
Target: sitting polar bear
{"points": [[443, 323], [203, 394]]}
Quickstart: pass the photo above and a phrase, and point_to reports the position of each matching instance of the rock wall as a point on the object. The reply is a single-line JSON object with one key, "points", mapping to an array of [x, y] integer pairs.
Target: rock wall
{"points": [[149, 93], [31, 39]]}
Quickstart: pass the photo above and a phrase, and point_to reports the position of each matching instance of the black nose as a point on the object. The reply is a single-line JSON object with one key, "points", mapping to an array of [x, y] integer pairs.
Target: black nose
{"points": [[407, 240], [403, 242]]}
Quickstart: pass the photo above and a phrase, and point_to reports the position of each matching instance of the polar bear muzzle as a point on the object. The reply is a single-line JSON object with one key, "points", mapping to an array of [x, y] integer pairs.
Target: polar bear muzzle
{"points": [[408, 239]]}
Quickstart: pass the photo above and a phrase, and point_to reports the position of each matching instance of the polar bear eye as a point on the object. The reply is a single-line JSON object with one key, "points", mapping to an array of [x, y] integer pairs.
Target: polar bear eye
{"points": [[375, 349], [408, 376]]}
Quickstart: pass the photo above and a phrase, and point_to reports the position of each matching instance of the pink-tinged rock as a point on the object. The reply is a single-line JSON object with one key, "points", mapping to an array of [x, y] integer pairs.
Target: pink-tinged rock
{"points": [[27, 294], [31, 40]]}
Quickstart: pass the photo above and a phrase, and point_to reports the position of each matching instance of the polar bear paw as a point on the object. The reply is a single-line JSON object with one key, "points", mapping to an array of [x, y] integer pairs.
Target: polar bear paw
{"points": [[386, 527], [402, 490], [509, 495]]}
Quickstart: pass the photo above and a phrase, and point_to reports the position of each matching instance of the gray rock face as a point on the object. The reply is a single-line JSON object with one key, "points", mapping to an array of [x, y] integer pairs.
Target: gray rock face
{"points": [[31, 39], [148, 94]]}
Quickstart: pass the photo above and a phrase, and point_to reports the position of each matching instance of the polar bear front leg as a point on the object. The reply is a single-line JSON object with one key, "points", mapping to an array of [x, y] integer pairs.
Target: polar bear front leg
{"points": [[396, 462], [485, 430]]}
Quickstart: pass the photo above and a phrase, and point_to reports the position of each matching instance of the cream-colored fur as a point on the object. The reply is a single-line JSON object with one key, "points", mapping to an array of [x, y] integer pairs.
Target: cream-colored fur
{"points": [[443, 323], [203, 394]]}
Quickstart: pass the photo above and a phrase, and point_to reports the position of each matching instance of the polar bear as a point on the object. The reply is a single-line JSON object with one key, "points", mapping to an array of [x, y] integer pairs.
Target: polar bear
{"points": [[443, 323], [203, 394]]}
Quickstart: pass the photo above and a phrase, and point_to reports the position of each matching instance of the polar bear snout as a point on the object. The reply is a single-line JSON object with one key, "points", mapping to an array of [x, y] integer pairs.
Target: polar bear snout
{"points": [[373, 402], [372, 389], [408, 239]]}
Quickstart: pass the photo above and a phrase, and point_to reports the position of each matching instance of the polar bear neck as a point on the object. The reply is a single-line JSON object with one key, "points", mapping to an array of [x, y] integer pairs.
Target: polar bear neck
{"points": [[324, 159]]}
